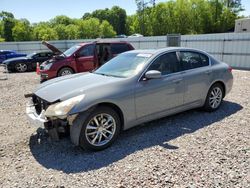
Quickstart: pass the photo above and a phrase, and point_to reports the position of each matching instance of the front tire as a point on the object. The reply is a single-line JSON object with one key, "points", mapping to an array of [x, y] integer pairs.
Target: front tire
{"points": [[21, 67], [214, 97], [100, 129], [65, 71]]}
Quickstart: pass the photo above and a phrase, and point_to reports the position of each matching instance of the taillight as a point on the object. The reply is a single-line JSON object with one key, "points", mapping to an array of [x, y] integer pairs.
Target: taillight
{"points": [[230, 69]]}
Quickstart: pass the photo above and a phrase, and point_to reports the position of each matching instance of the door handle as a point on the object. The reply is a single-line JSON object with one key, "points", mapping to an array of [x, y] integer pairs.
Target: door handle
{"points": [[177, 80]]}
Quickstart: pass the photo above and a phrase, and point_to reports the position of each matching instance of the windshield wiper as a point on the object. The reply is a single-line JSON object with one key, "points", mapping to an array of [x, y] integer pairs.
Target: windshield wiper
{"points": [[109, 75]]}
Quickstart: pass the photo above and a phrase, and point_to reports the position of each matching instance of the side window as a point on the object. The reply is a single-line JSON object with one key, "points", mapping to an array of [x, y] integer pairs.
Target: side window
{"points": [[87, 51], [192, 60], [6, 53], [204, 60], [49, 54], [42, 55], [35, 56], [119, 48], [166, 64]]}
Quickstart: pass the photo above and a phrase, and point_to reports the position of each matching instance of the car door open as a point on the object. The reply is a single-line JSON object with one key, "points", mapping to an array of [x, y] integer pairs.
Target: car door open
{"points": [[85, 58]]}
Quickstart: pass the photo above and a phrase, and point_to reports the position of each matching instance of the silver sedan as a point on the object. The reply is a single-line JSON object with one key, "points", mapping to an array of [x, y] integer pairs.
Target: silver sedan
{"points": [[133, 88]]}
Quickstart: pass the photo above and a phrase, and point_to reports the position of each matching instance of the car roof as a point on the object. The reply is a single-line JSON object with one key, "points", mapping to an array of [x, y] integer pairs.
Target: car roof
{"points": [[103, 42], [158, 51], [7, 51]]}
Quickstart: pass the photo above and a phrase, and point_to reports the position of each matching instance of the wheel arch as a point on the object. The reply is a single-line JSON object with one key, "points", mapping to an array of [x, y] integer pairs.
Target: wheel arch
{"points": [[222, 84], [75, 128]]}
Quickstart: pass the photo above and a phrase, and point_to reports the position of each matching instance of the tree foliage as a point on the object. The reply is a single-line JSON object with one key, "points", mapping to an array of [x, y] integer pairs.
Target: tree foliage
{"points": [[116, 16], [173, 16], [106, 29], [22, 30], [185, 17]]}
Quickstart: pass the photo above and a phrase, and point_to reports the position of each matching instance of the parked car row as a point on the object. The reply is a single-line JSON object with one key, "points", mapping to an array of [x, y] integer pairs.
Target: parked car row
{"points": [[27, 63], [79, 58]]}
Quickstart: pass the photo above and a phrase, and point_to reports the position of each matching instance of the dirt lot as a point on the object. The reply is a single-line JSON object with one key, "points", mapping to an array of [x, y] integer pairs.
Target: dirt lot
{"points": [[191, 149]]}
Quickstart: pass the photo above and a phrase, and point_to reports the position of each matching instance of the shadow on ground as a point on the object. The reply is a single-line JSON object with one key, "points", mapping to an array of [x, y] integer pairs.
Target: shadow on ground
{"points": [[65, 157]]}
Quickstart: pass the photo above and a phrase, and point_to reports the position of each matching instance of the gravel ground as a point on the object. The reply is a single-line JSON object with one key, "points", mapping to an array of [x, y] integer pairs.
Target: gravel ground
{"points": [[191, 149]]}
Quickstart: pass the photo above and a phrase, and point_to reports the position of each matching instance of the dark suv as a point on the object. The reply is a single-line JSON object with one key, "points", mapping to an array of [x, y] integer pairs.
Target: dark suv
{"points": [[81, 58]]}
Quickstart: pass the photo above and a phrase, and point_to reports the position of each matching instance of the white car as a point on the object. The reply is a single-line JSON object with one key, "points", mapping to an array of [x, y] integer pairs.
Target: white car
{"points": [[135, 35]]}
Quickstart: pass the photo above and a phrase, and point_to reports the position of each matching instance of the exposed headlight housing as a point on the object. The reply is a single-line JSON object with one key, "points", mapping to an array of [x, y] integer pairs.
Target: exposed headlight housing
{"points": [[61, 109]]}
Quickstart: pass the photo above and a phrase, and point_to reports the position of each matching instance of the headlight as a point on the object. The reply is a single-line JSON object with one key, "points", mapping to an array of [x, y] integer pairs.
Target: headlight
{"points": [[47, 66], [61, 109]]}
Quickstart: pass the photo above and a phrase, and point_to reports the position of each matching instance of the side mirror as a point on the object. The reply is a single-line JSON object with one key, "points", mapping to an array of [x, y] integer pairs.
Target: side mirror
{"points": [[153, 74]]}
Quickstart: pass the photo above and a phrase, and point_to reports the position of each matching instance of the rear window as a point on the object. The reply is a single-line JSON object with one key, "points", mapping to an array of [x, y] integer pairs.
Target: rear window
{"points": [[119, 48], [192, 60]]}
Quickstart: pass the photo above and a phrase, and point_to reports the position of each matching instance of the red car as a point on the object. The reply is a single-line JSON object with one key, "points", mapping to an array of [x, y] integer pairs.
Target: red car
{"points": [[80, 58]]}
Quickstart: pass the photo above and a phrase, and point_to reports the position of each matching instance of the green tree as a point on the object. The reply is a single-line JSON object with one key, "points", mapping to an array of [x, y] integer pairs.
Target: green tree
{"points": [[72, 31], [22, 30], [89, 28], [62, 20], [201, 17], [8, 23], [116, 16], [132, 24], [118, 19], [1, 31], [160, 19], [61, 31], [1, 28], [183, 18], [43, 31], [106, 30]]}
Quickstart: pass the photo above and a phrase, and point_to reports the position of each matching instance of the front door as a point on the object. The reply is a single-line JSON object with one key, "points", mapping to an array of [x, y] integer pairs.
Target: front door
{"points": [[159, 95], [85, 58]]}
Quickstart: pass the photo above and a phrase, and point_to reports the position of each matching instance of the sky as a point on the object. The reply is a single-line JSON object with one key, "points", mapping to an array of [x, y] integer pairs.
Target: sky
{"points": [[44, 10]]}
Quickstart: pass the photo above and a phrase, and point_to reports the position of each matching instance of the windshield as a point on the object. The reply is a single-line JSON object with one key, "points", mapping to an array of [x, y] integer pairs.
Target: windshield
{"points": [[71, 50], [124, 65], [30, 55]]}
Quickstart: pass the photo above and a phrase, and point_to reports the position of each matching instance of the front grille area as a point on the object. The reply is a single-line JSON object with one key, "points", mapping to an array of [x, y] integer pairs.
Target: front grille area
{"points": [[40, 104]]}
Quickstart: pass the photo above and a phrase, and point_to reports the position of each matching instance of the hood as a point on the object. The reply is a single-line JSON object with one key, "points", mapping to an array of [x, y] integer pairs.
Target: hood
{"points": [[66, 87], [15, 59], [52, 48]]}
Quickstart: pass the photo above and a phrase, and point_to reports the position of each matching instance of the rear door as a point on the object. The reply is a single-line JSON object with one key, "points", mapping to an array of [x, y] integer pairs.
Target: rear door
{"points": [[196, 74], [159, 95], [85, 58]]}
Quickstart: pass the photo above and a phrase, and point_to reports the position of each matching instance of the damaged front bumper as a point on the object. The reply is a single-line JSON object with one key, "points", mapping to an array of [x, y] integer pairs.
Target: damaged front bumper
{"points": [[35, 119]]}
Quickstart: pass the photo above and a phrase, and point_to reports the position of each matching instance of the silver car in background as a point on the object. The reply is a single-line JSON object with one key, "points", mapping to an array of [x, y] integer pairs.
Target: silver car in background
{"points": [[133, 88]]}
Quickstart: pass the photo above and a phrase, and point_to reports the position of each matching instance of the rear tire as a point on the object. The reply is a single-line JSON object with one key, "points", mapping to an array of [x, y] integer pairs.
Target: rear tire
{"points": [[21, 67], [214, 97], [65, 71], [100, 129]]}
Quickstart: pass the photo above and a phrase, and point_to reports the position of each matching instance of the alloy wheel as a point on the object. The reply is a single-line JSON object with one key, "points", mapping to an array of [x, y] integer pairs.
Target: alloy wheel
{"points": [[100, 129], [66, 72], [21, 67], [215, 97]]}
